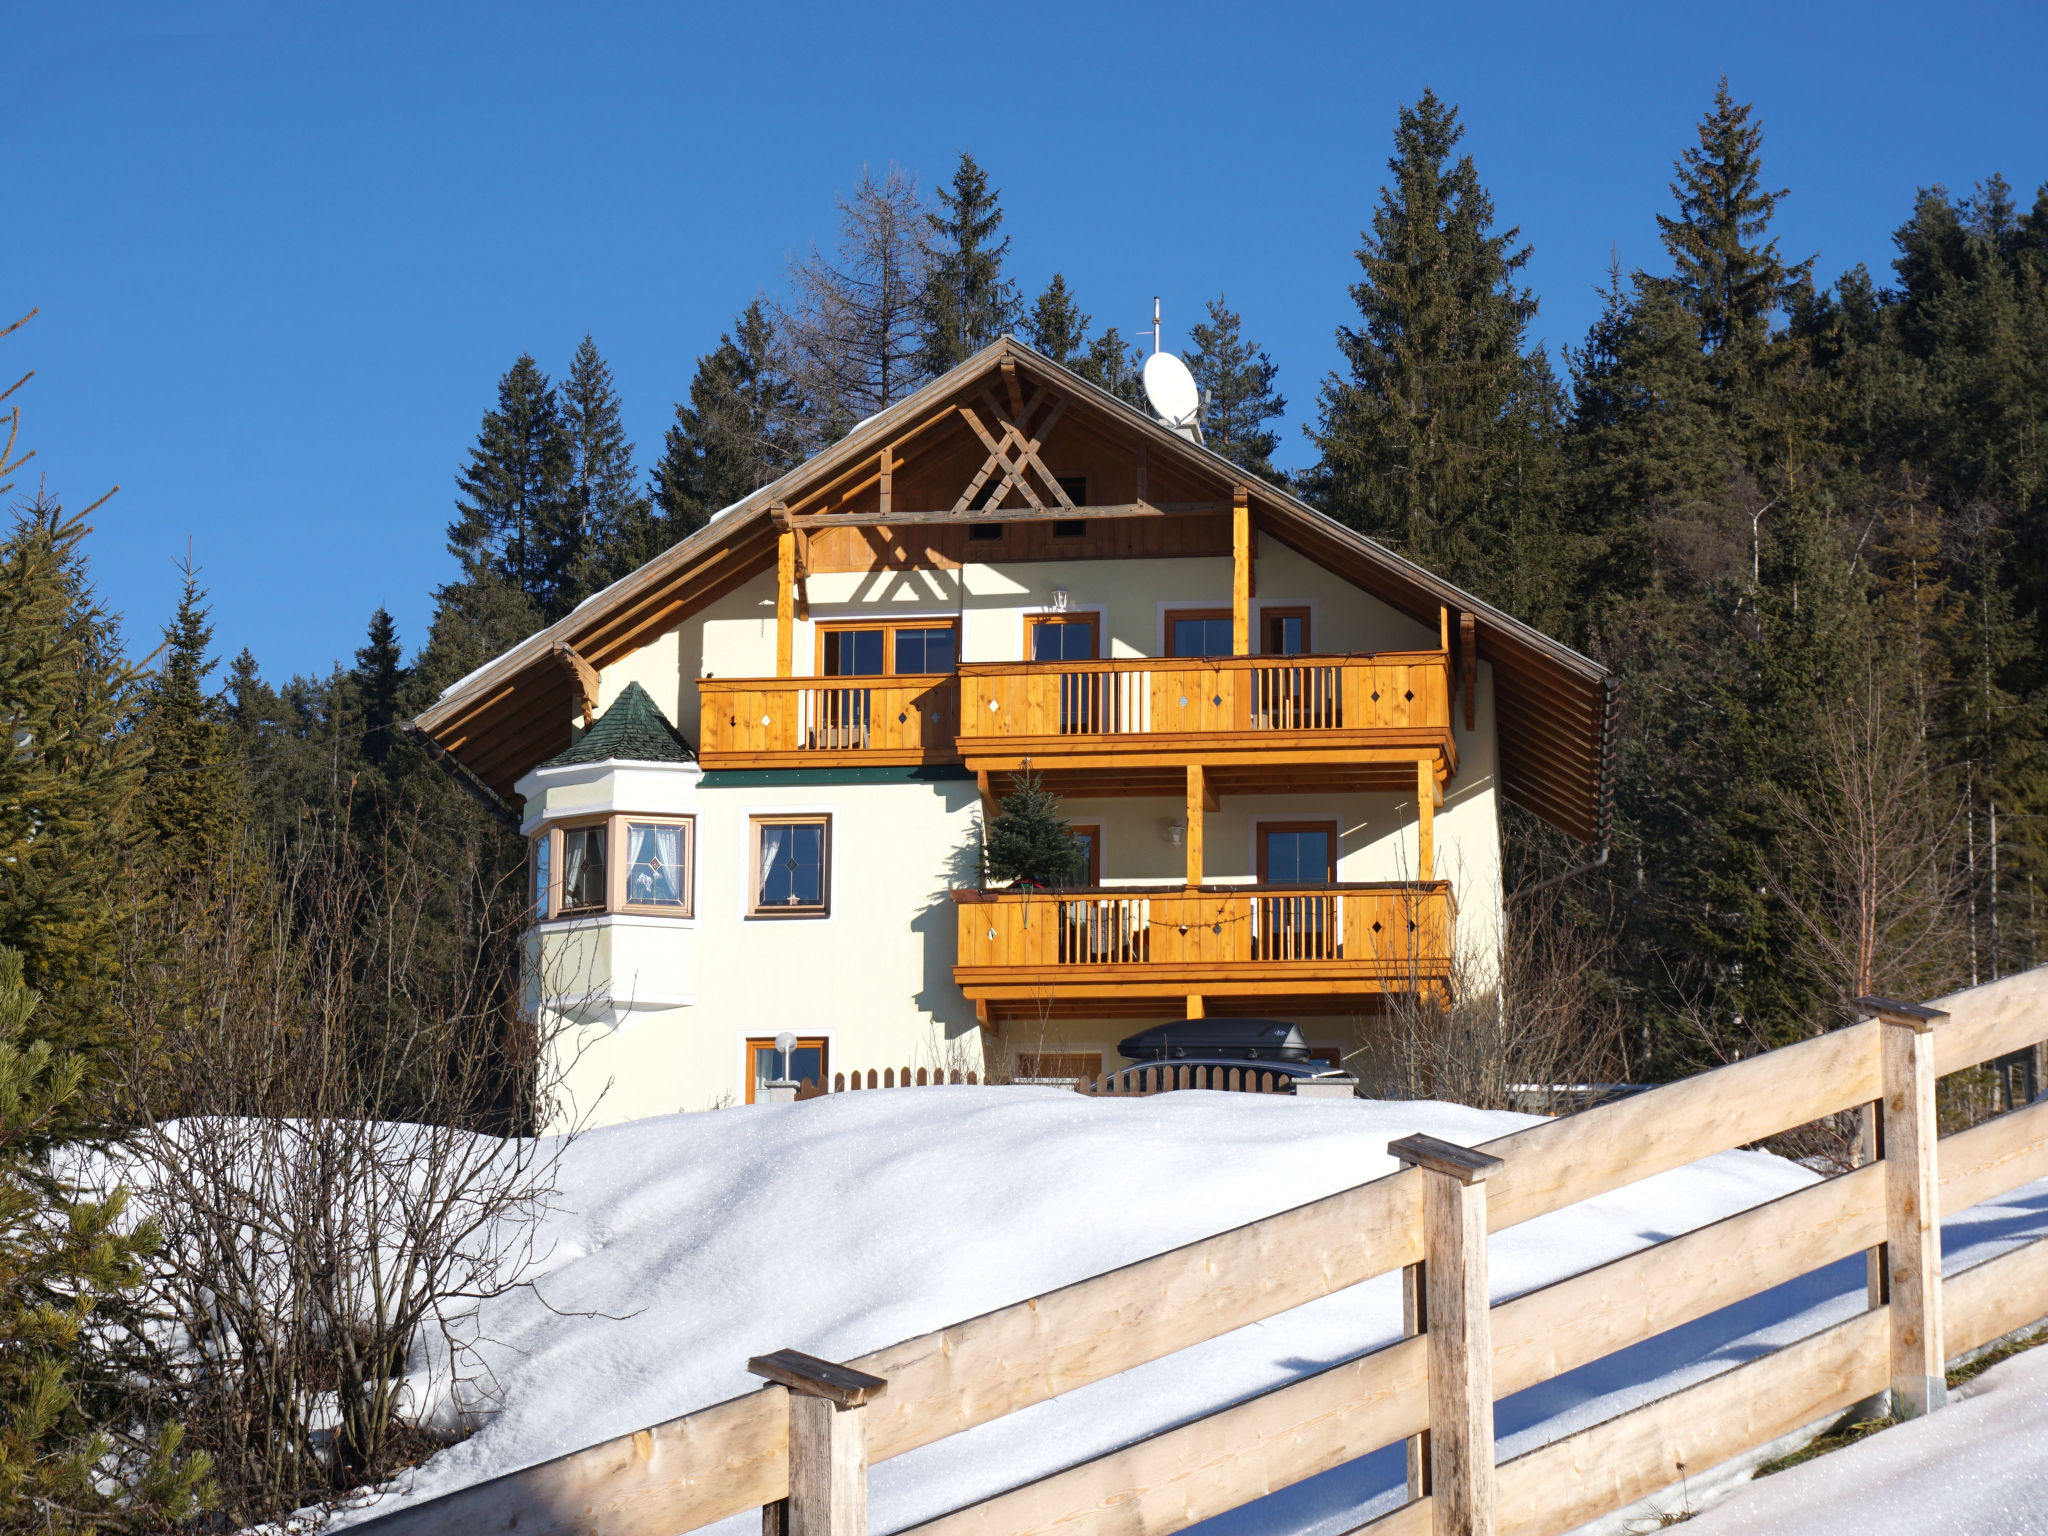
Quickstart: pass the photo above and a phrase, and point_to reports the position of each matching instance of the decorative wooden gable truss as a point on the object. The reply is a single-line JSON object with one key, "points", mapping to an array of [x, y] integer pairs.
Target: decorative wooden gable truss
{"points": [[1010, 438]]}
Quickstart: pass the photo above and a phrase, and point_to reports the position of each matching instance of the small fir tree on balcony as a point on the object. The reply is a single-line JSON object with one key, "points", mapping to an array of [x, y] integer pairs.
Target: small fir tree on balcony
{"points": [[1029, 843]]}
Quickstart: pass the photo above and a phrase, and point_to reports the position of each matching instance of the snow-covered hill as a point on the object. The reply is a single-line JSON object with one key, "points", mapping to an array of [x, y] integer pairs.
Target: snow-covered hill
{"points": [[684, 1245]]}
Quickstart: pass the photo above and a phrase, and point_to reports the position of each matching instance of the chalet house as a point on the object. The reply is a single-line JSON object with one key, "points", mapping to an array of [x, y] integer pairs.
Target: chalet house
{"points": [[755, 772]]}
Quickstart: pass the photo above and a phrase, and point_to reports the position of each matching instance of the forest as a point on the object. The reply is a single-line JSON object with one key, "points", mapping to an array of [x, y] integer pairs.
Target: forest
{"points": [[1803, 523]]}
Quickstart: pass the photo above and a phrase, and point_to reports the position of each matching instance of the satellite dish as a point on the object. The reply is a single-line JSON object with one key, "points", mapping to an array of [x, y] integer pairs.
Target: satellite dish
{"points": [[1171, 389]]}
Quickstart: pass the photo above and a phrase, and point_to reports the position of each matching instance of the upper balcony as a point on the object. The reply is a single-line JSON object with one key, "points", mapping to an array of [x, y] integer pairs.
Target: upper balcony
{"points": [[1114, 726]]}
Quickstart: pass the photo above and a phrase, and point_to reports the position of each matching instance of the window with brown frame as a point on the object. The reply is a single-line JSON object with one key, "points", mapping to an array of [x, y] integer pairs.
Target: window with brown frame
{"points": [[1062, 636], [791, 861], [1297, 852], [889, 648], [1089, 835], [1284, 631], [615, 864], [765, 1065], [1199, 632]]}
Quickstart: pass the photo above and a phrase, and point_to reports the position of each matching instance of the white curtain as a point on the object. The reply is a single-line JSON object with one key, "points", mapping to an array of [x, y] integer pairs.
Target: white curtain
{"points": [[774, 846], [654, 876]]}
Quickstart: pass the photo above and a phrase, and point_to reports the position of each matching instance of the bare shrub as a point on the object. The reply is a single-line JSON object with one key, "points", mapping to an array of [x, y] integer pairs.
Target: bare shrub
{"points": [[1531, 1036], [320, 1102]]}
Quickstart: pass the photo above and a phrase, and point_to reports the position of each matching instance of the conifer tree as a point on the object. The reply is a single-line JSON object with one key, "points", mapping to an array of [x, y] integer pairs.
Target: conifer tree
{"points": [[1055, 324], [1236, 377], [517, 520], [378, 676], [191, 787], [1029, 843], [967, 301], [1434, 440], [739, 430], [607, 509], [65, 1260], [70, 838], [1113, 364]]}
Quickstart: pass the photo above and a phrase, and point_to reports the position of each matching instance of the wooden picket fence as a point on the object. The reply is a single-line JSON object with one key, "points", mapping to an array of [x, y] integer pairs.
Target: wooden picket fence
{"points": [[798, 1448], [887, 1077], [1138, 1082]]}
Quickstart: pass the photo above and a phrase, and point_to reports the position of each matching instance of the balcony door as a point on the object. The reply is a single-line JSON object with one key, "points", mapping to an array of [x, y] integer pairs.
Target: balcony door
{"points": [[1086, 698], [1303, 925]]}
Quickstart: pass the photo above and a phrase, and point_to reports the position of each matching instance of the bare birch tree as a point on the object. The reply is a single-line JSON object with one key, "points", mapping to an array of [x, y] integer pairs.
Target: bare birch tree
{"points": [[853, 323]]}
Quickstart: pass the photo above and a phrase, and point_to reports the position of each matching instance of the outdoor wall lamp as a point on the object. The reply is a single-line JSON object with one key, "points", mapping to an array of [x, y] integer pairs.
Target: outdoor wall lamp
{"points": [[1176, 833], [1059, 599]]}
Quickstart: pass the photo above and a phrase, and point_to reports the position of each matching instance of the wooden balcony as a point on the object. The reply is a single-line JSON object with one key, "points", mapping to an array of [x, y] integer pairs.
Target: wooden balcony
{"points": [[1250, 720], [1120, 950], [786, 722]]}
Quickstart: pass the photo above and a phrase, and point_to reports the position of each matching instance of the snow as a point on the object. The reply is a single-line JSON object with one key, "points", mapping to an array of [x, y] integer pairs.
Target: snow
{"points": [[1977, 1468], [681, 1246]]}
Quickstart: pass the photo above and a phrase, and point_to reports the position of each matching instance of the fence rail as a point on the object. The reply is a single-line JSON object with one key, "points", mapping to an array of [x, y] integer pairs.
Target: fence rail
{"points": [[879, 720], [734, 1456]]}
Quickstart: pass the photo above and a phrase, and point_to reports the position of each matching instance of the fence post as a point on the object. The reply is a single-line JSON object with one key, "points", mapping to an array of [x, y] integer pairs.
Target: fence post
{"points": [[1912, 1205], [1454, 1308], [828, 1445]]}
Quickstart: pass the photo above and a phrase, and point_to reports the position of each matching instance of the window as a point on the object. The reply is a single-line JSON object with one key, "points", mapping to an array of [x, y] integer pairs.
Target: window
{"points": [[1297, 853], [984, 530], [658, 866], [616, 864], [1284, 631], [918, 648], [1069, 527], [1089, 836], [583, 862], [765, 1065], [1067, 637], [1198, 632], [1076, 487], [543, 885], [792, 873]]}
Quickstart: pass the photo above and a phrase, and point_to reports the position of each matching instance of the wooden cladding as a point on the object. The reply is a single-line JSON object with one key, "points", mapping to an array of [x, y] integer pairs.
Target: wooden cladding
{"points": [[1165, 942], [771, 722]]}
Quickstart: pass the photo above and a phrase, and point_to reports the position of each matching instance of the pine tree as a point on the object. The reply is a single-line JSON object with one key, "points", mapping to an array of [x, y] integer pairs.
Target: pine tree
{"points": [[1029, 843], [1728, 280], [740, 429], [378, 676], [967, 301], [70, 839], [1237, 377], [1113, 364], [518, 521], [607, 511], [65, 1261], [854, 324], [191, 787], [1056, 326], [1435, 439]]}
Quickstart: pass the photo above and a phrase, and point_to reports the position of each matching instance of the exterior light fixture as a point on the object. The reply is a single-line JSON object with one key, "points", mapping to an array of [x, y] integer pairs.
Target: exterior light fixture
{"points": [[1059, 599], [785, 1043], [1176, 832]]}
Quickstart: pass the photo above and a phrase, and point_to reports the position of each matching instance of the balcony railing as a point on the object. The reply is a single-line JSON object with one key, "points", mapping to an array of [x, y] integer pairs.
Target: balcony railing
{"points": [[1378, 937], [769, 721], [1266, 698]]}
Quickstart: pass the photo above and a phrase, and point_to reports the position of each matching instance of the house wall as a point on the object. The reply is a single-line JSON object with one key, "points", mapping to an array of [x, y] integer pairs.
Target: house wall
{"points": [[874, 977]]}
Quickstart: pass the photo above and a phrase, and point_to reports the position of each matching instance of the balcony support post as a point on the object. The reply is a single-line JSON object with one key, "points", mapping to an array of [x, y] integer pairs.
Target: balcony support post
{"points": [[1425, 819], [785, 603], [1195, 1008], [1241, 572], [1197, 796]]}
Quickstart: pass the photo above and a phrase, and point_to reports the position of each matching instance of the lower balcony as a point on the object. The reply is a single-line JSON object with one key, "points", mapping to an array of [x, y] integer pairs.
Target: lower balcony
{"points": [[1138, 951], [783, 722]]}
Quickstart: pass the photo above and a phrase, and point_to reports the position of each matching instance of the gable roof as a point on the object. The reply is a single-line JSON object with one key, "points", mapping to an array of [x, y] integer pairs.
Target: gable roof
{"points": [[633, 730], [1551, 704]]}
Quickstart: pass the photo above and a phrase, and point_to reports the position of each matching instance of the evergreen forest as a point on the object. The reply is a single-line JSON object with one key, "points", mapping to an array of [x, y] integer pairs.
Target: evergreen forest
{"points": [[1801, 517]]}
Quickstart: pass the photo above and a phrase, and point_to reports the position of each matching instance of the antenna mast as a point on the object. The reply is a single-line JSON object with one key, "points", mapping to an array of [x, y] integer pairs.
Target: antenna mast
{"points": [[1155, 322]]}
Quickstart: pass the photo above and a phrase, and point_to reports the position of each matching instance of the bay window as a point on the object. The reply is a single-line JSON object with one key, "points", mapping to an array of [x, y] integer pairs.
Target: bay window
{"points": [[615, 864]]}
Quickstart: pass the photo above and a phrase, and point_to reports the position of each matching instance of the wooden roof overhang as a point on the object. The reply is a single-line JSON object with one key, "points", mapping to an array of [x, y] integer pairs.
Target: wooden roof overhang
{"points": [[1552, 706]]}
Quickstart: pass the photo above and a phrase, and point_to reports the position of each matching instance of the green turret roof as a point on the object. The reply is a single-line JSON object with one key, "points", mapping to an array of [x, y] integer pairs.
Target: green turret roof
{"points": [[633, 730]]}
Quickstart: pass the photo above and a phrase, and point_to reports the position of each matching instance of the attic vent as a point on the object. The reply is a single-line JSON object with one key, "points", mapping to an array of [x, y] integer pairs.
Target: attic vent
{"points": [[984, 530], [1069, 527]]}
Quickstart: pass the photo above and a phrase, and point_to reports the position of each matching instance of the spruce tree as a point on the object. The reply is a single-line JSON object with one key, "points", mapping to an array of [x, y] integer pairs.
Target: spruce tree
{"points": [[1113, 364], [517, 517], [70, 839], [1236, 377], [739, 430], [607, 510], [1435, 440], [378, 676], [1055, 324], [967, 301], [1029, 843], [191, 787]]}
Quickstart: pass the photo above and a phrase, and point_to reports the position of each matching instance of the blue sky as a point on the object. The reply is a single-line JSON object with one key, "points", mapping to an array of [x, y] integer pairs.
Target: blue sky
{"points": [[284, 252]]}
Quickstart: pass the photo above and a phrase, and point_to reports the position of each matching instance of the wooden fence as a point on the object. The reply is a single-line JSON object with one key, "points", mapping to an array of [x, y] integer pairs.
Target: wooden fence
{"points": [[1141, 1082], [798, 1448], [887, 1077]]}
